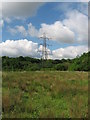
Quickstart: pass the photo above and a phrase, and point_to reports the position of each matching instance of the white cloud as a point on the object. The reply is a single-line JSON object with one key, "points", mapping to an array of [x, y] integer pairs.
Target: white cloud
{"points": [[70, 6], [22, 30], [18, 29], [14, 48], [58, 32], [83, 7], [13, 31], [19, 48], [73, 29], [32, 31], [69, 52], [78, 23]]}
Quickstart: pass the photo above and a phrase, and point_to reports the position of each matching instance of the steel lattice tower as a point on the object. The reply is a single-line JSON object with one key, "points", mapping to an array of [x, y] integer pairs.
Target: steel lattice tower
{"points": [[44, 48]]}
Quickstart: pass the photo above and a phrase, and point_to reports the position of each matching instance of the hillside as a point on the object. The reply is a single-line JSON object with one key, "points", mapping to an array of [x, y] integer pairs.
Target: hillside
{"points": [[80, 63]]}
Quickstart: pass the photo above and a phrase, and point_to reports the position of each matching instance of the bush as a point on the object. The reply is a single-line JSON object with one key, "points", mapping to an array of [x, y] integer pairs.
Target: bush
{"points": [[61, 67]]}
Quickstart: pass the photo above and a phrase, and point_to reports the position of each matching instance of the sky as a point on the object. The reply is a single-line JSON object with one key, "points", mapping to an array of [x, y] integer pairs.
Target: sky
{"points": [[65, 23]]}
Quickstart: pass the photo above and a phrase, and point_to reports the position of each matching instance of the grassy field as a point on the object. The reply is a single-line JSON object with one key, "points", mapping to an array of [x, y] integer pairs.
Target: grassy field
{"points": [[45, 94]]}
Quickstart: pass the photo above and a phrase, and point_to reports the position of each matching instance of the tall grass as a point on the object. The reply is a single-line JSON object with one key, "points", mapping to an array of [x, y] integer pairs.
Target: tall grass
{"points": [[49, 94]]}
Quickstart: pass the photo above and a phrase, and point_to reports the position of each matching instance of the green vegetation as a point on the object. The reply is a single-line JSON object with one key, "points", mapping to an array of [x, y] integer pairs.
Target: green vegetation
{"points": [[34, 88], [81, 63], [45, 94]]}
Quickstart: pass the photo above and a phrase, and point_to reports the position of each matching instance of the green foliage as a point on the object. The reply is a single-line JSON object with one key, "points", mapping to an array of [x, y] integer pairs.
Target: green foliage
{"points": [[62, 67], [34, 67], [81, 63]]}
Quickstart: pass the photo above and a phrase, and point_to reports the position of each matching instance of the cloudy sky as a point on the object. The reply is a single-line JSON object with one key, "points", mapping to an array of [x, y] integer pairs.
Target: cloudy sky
{"points": [[66, 23]]}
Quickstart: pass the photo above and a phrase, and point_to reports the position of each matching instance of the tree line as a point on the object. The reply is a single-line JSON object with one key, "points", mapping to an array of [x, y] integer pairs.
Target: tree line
{"points": [[80, 63]]}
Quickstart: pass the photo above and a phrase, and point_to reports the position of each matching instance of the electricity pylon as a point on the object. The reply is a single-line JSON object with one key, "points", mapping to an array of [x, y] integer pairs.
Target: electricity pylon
{"points": [[44, 50]]}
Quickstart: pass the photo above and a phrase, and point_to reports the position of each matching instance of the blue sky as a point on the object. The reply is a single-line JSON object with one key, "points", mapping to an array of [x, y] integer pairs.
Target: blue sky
{"points": [[64, 17]]}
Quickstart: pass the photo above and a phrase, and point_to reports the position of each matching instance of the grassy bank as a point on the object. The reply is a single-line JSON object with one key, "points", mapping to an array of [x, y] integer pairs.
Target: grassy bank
{"points": [[45, 94]]}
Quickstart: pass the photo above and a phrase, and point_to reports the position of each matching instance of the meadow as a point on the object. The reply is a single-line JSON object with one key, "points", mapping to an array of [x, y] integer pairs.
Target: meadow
{"points": [[45, 94]]}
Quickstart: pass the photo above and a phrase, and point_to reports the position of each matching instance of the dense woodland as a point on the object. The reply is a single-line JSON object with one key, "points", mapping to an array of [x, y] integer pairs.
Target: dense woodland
{"points": [[80, 63]]}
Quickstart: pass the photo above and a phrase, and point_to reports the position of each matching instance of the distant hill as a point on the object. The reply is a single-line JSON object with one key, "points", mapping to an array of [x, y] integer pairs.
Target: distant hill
{"points": [[80, 63]]}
